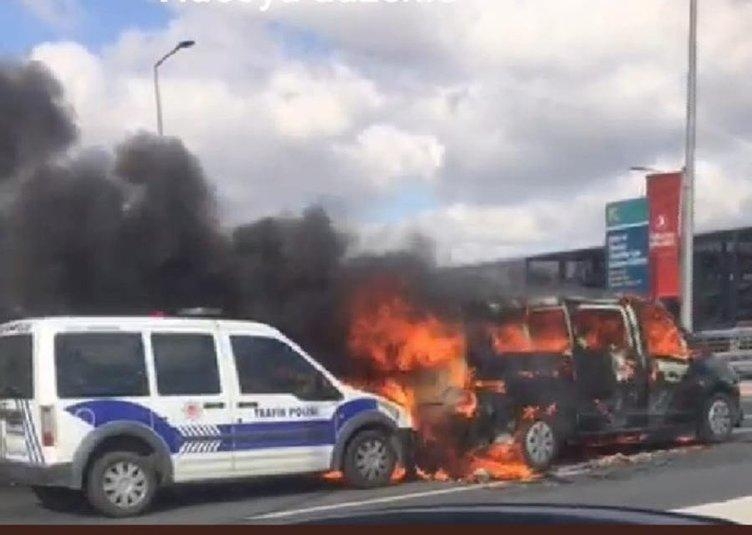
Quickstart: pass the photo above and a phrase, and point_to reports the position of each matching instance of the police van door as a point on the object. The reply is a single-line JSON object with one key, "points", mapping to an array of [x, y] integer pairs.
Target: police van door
{"points": [[283, 408], [193, 402]]}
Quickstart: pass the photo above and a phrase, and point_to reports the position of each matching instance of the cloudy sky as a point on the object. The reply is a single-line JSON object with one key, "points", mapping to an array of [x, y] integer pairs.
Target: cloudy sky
{"points": [[498, 127]]}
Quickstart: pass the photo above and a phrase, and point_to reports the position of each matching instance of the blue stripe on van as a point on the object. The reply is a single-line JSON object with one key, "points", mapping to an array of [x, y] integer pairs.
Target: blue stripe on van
{"points": [[238, 437]]}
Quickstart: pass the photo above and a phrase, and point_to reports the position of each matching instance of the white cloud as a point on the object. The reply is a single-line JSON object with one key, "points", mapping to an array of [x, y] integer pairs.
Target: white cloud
{"points": [[518, 119], [307, 104], [385, 154]]}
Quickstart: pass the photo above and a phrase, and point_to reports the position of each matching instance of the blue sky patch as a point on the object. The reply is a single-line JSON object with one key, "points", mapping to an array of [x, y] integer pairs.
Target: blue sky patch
{"points": [[412, 198], [94, 23]]}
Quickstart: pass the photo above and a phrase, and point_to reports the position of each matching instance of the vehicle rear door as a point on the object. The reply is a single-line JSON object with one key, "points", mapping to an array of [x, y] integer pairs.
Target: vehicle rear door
{"points": [[283, 408], [610, 371], [19, 441]]}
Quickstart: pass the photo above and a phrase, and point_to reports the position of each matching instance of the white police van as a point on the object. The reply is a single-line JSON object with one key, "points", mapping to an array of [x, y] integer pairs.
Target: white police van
{"points": [[111, 409]]}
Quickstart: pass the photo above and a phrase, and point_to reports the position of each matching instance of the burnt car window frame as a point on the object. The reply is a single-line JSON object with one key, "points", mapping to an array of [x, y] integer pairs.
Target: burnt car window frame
{"points": [[617, 308], [639, 308], [567, 320], [527, 311]]}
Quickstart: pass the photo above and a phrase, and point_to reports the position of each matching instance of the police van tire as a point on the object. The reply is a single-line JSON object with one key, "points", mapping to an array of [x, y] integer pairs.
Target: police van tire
{"points": [[539, 444], [370, 460], [717, 419], [58, 499], [121, 484]]}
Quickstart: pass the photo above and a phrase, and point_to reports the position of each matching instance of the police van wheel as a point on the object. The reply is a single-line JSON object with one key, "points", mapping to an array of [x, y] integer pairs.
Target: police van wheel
{"points": [[370, 460], [58, 499], [121, 484]]}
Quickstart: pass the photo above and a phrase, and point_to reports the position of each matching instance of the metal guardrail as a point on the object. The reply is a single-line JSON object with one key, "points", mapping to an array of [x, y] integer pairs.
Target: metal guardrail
{"points": [[734, 345]]}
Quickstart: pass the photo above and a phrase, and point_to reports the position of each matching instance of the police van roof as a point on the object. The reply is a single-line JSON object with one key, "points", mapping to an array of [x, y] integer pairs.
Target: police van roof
{"points": [[136, 322]]}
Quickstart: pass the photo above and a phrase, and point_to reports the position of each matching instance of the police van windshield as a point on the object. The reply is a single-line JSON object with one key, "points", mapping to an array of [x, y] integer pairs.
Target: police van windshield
{"points": [[16, 377]]}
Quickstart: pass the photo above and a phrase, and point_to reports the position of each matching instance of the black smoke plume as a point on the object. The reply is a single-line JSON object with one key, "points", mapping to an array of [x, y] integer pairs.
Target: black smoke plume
{"points": [[136, 230], [35, 121]]}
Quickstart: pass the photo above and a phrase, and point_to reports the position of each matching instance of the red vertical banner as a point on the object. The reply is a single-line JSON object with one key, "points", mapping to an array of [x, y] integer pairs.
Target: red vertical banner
{"points": [[664, 196]]}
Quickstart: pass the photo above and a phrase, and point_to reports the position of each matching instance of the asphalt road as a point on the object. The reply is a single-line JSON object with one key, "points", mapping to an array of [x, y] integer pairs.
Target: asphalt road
{"points": [[662, 478]]}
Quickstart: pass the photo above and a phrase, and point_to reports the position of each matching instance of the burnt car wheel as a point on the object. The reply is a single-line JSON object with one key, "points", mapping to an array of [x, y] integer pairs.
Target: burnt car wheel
{"points": [[370, 460], [539, 444], [717, 419]]}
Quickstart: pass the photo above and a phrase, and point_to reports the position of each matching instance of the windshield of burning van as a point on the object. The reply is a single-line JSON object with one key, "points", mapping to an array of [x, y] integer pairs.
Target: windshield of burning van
{"points": [[16, 380], [541, 330]]}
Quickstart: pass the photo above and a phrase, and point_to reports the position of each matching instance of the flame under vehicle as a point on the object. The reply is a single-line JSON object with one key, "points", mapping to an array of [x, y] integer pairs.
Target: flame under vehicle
{"points": [[564, 370]]}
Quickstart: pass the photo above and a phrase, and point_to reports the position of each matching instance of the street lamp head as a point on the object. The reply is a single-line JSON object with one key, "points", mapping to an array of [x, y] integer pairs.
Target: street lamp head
{"points": [[185, 44]]}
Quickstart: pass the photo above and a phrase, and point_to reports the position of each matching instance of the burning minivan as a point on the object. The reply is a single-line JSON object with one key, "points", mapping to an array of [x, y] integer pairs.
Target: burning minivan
{"points": [[565, 370]]}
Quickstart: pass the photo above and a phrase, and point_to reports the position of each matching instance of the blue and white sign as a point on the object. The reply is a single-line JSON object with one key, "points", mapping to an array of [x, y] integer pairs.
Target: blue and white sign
{"points": [[627, 246]]}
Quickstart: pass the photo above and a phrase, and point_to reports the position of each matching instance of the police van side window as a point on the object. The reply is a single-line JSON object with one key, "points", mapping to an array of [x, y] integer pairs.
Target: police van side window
{"points": [[94, 365], [186, 364], [269, 366]]}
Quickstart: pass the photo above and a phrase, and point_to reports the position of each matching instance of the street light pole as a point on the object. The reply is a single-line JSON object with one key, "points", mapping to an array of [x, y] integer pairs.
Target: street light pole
{"points": [[688, 184], [181, 45], [160, 129]]}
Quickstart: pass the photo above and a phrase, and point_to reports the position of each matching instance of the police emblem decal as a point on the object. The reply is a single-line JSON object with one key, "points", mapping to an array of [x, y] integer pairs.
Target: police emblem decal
{"points": [[193, 411]]}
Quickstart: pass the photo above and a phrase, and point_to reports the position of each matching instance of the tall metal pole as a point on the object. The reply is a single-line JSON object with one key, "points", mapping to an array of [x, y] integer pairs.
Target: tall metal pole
{"points": [[160, 129], [180, 46], [688, 197]]}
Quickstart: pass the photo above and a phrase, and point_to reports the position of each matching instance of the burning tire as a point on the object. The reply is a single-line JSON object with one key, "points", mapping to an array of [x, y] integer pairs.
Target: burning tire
{"points": [[717, 419], [370, 460], [539, 444]]}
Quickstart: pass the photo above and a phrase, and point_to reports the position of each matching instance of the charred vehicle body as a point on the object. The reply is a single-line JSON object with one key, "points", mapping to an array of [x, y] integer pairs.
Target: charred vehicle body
{"points": [[565, 370]]}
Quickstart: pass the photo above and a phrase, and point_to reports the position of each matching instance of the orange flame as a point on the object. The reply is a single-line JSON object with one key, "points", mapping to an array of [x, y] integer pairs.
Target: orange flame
{"points": [[664, 339], [337, 476], [468, 406], [417, 360], [537, 331], [530, 413], [598, 330], [498, 386], [393, 336], [499, 461]]}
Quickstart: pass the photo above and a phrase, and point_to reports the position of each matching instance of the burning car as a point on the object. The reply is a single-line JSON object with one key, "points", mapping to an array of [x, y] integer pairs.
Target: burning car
{"points": [[567, 370]]}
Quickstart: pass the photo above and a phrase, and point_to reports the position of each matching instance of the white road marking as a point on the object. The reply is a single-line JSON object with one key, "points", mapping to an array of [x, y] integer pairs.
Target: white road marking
{"points": [[738, 510], [572, 470], [562, 471], [374, 501]]}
